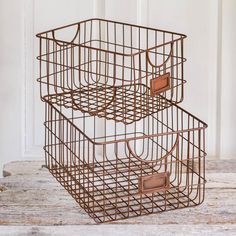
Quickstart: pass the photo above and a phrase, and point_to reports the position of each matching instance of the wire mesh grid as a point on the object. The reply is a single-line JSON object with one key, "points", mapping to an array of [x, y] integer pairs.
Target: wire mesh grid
{"points": [[114, 137]]}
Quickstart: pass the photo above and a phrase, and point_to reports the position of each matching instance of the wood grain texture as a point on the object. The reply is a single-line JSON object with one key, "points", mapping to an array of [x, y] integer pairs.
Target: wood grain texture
{"points": [[120, 230], [31, 200]]}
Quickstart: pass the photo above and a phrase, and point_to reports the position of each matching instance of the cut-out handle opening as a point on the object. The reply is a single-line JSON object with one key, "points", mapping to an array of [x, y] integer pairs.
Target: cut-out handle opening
{"points": [[166, 60], [64, 44], [153, 161]]}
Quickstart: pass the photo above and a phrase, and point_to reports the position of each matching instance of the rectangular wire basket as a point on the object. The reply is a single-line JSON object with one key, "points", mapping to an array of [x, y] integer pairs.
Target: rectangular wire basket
{"points": [[111, 69], [117, 171]]}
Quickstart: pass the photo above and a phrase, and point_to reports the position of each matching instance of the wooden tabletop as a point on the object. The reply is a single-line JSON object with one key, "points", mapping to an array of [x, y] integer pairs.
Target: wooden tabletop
{"points": [[32, 202]]}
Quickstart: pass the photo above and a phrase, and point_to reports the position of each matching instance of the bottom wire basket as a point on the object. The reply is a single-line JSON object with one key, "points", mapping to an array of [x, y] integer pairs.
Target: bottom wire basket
{"points": [[117, 171]]}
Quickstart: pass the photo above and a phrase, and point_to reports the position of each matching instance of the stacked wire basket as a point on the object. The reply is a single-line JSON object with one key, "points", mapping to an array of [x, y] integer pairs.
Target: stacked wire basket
{"points": [[114, 137]]}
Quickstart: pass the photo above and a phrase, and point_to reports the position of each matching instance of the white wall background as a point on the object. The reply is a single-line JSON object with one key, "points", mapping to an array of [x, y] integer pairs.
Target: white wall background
{"points": [[210, 50]]}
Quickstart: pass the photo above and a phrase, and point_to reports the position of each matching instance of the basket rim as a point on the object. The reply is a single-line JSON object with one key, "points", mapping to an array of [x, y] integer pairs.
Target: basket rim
{"points": [[145, 136], [43, 35], [110, 21]]}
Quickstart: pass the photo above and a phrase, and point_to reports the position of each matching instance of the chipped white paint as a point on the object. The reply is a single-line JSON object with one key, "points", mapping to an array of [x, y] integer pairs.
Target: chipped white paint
{"points": [[120, 230], [33, 202]]}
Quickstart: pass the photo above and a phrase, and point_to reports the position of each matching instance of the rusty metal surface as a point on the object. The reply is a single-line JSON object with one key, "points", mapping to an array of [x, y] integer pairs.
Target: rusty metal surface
{"points": [[114, 137]]}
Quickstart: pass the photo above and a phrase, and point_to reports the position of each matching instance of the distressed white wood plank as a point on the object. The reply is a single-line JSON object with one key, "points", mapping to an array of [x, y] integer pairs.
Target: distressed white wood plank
{"points": [[34, 167], [120, 230], [32, 196], [23, 168], [33, 208]]}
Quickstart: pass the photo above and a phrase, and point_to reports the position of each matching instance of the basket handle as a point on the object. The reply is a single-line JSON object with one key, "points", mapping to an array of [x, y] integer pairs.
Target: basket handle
{"points": [[154, 161], [169, 56], [64, 44]]}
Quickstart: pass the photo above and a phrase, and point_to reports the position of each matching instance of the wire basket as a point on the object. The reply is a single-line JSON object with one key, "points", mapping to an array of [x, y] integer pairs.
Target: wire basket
{"points": [[117, 171], [111, 69]]}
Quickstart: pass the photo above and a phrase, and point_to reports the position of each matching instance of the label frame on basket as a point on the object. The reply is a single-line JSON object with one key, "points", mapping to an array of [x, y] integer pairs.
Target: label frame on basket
{"points": [[159, 84], [154, 183]]}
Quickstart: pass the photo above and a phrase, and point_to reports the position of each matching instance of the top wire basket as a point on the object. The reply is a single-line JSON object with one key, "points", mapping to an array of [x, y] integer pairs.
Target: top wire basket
{"points": [[110, 69]]}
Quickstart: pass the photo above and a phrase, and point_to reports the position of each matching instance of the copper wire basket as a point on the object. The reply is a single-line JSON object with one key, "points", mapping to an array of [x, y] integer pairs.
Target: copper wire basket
{"points": [[114, 137], [111, 69]]}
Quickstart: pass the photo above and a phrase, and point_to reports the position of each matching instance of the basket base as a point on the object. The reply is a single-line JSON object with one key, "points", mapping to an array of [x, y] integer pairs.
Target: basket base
{"points": [[113, 103], [108, 191]]}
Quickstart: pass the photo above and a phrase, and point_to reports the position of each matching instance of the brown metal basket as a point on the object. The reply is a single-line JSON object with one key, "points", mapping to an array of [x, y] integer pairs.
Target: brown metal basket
{"points": [[114, 136], [116, 171], [111, 69]]}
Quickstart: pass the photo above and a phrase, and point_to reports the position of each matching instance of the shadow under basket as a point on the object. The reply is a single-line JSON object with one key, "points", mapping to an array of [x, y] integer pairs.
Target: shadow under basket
{"points": [[117, 171]]}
